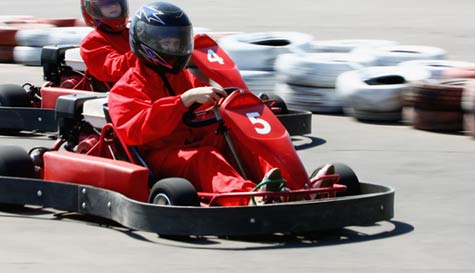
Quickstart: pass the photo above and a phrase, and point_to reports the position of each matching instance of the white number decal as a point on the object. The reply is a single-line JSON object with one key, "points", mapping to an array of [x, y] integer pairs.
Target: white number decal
{"points": [[213, 57], [253, 117]]}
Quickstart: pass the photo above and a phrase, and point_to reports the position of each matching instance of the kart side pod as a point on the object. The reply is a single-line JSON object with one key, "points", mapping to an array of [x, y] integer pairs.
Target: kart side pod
{"points": [[126, 178]]}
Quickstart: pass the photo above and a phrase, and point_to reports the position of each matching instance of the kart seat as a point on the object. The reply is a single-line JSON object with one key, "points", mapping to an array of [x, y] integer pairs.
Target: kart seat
{"points": [[73, 59], [93, 112]]}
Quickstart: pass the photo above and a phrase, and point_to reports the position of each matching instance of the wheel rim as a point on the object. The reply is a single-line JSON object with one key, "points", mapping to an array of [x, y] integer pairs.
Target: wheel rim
{"points": [[162, 199]]}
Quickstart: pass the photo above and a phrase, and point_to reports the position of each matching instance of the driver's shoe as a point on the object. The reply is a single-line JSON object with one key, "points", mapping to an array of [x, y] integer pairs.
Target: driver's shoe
{"points": [[320, 182], [272, 181]]}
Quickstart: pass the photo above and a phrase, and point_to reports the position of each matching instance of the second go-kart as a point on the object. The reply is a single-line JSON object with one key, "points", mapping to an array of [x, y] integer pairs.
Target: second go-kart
{"points": [[90, 170], [31, 108]]}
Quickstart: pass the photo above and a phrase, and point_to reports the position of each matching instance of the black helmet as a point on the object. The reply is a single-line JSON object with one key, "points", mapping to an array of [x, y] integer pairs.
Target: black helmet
{"points": [[161, 35]]}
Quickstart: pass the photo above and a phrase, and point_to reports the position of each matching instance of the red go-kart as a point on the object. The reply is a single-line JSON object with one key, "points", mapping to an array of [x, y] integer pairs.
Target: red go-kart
{"points": [[92, 171]]}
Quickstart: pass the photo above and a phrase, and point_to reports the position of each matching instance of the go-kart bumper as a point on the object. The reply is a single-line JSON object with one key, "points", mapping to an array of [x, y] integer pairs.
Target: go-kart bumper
{"points": [[374, 204], [28, 119]]}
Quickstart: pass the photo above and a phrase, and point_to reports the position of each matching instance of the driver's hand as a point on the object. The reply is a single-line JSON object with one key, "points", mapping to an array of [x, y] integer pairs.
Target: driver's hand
{"points": [[202, 95]]}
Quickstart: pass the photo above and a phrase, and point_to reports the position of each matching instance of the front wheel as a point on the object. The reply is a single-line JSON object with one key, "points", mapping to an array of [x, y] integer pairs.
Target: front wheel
{"points": [[275, 102], [347, 178], [173, 191]]}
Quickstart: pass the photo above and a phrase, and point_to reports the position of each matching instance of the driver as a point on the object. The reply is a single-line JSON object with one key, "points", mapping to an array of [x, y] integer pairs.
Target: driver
{"points": [[106, 50], [147, 104]]}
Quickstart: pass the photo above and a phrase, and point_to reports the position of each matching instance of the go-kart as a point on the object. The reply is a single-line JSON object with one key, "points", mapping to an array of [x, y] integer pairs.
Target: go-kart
{"points": [[91, 170], [31, 108]]}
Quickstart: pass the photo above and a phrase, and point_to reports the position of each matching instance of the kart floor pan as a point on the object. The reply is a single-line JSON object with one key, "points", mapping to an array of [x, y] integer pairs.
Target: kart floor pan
{"points": [[374, 204]]}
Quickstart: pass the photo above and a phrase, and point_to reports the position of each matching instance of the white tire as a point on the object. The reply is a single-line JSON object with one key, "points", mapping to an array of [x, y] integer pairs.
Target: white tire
{"points": [[318, 69], [27, 55], [258, 51], [314, 99], [435, 67], [376, 89], [468, 97], [51, 36], [393, 55], [347, 45], [68, 35], [259, 81]]}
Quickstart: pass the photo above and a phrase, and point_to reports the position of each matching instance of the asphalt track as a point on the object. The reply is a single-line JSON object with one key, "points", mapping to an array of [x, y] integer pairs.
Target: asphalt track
{"points": [[433, 173]]}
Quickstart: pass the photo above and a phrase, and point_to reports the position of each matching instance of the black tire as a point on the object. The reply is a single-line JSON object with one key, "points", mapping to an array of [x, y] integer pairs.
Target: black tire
{"points": [[174, 191], [347, 178], [15, 162], [13, 95], [279, 101]]}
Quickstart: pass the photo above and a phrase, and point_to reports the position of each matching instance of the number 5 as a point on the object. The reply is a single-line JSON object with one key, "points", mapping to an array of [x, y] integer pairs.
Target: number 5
{"points": [[253, 117]]}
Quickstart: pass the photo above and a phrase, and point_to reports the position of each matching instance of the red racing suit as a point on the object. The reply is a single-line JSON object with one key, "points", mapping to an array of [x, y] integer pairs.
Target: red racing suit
{"points": [[107, 55], [147, 115]]}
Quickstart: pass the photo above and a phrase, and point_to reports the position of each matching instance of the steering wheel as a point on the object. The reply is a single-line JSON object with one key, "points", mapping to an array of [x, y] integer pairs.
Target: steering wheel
{"points": [[197, 117]]}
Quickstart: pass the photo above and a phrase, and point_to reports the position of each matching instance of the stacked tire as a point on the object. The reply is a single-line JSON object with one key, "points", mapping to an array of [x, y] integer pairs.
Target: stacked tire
{"points": [[307, 80], [22, 37], [437, 105], [375, 93], [468, 108], [396, 54], [347, 45], [256, 53], [435, 67]]}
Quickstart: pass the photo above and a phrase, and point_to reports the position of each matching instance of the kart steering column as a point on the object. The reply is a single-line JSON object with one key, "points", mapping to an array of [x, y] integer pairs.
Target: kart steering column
{"points": [[222, 129]]}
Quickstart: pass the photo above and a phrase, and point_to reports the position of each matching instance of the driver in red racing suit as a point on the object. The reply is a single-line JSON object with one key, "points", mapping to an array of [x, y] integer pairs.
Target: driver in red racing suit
{"points": [[106, 50], [147, 104]]}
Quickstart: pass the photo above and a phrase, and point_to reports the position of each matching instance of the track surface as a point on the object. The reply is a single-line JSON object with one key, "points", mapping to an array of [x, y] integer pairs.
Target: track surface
{"points": [[432, 173]]}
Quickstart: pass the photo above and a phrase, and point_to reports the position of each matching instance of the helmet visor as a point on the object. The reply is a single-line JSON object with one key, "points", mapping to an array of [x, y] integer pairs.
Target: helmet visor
{"points": [[171, 40], [107, 9]]}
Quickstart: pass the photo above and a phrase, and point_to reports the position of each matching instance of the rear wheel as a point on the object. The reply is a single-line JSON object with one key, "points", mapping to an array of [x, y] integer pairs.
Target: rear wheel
{"points": [[347, 178], [12, 95], [174, 191], [15, 162]]}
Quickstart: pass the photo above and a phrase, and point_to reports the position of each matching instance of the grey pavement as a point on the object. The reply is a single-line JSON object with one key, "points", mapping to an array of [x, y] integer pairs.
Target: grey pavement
{"points": [[432, 173]]}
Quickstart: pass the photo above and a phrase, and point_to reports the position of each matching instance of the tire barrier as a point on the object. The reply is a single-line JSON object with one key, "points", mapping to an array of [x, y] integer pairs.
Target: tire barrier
{"points": [[375, 93], [62, 22], [51, 36], [313, 99], [259, 81], [347, 45], [468, 108], [308, 79], [29, 34], [318, 69], [6, 54], [393, 55], [27, 55], [9, 31], [258, 51], [435, 67], [437, 105]]}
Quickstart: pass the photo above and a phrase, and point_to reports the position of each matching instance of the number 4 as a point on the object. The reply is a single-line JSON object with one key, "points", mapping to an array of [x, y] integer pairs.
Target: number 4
{"points": [[213, 57]]}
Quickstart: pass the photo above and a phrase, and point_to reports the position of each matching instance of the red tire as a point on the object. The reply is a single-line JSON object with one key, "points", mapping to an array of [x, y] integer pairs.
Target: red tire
{"points": [[6, 54], [59, 22]]}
